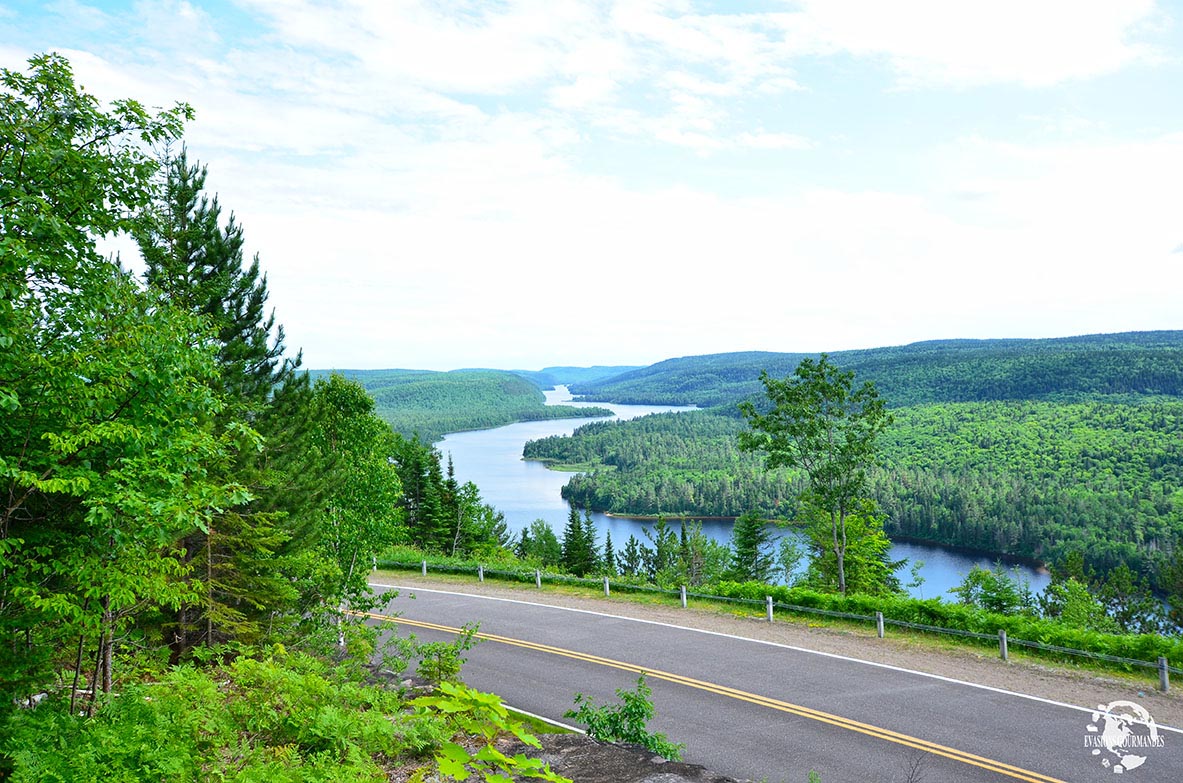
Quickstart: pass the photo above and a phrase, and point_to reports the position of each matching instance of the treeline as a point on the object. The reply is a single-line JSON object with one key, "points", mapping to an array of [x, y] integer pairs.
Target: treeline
{"points": [[428, 405], [1118, 367], [1031, 479], [175, 487]]}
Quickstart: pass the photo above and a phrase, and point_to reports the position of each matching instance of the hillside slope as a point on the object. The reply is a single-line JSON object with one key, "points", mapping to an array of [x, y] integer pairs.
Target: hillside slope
{"points": [[1113, 366], [432, 404]]}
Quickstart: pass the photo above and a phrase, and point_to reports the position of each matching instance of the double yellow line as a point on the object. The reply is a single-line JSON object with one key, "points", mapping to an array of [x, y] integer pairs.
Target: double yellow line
{"points": [[906, 740]]}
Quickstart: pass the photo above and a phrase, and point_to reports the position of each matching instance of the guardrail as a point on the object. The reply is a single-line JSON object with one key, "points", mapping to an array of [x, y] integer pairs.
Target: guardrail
{"points": [[770, 607]]}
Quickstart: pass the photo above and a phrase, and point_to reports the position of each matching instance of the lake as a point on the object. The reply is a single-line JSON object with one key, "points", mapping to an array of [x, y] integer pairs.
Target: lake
{"points": [[525, 490]]}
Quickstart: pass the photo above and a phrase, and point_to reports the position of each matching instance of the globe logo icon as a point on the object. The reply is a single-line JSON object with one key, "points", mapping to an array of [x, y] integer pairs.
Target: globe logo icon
{"points": [[1120, 733]]}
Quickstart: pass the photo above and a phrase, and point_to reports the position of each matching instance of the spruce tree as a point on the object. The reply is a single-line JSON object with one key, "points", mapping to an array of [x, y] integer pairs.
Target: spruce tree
{"points": [[591, 549], [609, 555], [574, 545], [197, 263], [751, 549]]}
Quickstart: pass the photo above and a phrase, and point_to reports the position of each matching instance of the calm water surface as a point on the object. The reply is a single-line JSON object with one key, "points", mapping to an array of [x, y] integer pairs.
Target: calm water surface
{"points": [[524, 491]]}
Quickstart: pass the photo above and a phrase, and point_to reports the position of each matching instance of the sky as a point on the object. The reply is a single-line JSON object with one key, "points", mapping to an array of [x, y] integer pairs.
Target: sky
{"points": [[438, 184]]}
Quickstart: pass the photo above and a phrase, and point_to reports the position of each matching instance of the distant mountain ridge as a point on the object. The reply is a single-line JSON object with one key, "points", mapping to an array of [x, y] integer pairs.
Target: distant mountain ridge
{"points": [[1109, 366]]}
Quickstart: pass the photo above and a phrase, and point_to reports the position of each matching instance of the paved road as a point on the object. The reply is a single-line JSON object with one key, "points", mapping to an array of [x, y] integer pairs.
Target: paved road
{"points": [[757, 710]]}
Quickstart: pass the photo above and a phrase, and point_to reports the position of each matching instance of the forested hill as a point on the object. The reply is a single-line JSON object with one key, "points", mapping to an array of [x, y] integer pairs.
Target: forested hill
{"points": [[549, 377], [431, 404], [1089, 367]]}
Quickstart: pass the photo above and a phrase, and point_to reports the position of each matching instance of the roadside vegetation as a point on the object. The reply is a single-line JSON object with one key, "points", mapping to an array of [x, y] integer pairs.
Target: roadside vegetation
{"points": [[189, 520]]}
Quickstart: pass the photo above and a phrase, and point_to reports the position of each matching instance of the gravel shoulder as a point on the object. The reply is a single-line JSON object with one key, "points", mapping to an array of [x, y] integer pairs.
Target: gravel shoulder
{"points": [[1062, 683]]}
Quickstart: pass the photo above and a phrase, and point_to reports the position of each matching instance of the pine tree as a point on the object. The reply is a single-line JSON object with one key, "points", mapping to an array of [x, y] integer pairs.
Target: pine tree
{"points": [[591, 548], [574, 545], [197, 263], [630, 559], [751, 549], [609, 555]]}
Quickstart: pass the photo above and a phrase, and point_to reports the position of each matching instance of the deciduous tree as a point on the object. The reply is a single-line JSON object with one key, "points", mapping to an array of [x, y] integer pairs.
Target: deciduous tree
{"points": [[820, 423]]}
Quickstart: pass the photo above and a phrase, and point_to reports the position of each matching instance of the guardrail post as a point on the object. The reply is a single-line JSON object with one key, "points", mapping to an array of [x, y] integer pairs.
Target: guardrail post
{"points": [[768, 603], [606, 587], [1164, 675], [480, 573], [879, 623], [537, 578], [683, 596], [1003, 653], [425, 568]]}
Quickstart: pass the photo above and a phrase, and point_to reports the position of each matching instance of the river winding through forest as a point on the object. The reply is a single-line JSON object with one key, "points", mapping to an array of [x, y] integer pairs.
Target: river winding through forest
{"points": [[525, 490]]}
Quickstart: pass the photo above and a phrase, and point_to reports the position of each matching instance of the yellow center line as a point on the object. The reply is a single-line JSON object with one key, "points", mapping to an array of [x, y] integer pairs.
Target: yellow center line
{"points": [[765, 701]]}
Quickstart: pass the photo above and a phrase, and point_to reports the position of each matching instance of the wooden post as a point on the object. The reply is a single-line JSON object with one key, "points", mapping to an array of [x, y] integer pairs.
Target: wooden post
{"points": [[1003, 653], [879, 623], [1164, 675]]}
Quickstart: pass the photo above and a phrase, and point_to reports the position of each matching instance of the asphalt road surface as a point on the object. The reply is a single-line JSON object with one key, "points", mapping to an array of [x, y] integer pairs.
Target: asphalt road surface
{"points": [[752, 709]]}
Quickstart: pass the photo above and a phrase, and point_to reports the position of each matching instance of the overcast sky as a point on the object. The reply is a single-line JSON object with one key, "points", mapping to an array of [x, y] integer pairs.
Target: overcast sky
{"points": [[456, 183]]}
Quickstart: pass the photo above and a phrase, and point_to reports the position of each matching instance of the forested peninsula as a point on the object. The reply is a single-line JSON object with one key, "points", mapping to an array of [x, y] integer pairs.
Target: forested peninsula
{"points": [[428, 405], [1032, 448]]}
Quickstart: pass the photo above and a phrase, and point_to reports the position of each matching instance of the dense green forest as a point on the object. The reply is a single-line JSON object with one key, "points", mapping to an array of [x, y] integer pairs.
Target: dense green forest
{"points": [[1120, 366], [178, 493], [428, 405], [1088, 460], [549, 377]]}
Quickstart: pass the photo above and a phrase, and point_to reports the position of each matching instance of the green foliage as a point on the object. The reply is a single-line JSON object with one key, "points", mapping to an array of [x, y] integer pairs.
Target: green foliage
{"points": [[995, 591], [481, 715], [539, 545], [440, 662], [821, 424], [1117, 367], [104, 456], [362, 516], [580, 553], [282, 718], [427, 405], [1075, 606], [627, 721], [440, 515], [866, 566], [1032, 479], [751, 549], [933, 611]]}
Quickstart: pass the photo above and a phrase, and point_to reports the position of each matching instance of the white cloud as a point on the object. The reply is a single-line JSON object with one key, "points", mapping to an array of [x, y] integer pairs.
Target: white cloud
{"points": [[415, 176], [936, 42]]}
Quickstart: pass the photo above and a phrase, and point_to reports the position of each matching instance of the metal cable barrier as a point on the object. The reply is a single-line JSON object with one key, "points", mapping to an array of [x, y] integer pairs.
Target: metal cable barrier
{"points": [[538, 577]]}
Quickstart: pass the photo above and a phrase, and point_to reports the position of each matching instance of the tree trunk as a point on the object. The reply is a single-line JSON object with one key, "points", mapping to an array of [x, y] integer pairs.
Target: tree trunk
{"points": [[838, 525]]}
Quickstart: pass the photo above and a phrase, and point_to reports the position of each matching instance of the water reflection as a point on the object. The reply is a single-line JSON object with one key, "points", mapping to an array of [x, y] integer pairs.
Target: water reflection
{"points": [[524, 491]]}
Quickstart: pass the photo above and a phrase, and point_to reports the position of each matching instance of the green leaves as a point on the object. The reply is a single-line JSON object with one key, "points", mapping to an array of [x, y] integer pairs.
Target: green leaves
{"points": [[824, 426], [625, 722], [481, 715]]}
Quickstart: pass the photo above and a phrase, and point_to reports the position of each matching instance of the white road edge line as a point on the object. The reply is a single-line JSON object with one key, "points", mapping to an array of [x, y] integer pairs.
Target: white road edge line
{"points": [[1090, 710], [544, 719]]}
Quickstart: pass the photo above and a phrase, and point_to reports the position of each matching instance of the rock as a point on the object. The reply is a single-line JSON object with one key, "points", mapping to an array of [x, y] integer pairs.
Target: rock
{"points": [[586, 760]]}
